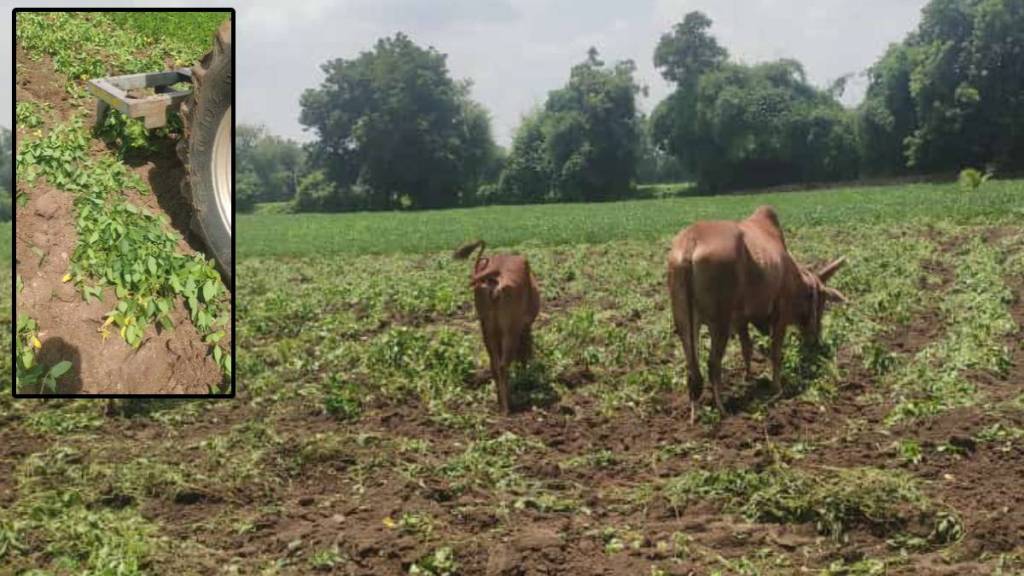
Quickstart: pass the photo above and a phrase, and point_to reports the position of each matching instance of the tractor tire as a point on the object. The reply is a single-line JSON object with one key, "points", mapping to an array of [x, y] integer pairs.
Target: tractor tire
{"points": [[206, 150]]}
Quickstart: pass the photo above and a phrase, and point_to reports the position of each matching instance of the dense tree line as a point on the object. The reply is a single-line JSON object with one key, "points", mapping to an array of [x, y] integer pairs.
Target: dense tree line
{"points": [[951, 94], [395, 131], [269, 167], [734, 125], [6, 183]]}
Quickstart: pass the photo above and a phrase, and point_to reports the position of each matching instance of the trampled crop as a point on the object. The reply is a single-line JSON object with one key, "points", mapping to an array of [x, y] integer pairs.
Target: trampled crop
{"points": [[366, 372]]}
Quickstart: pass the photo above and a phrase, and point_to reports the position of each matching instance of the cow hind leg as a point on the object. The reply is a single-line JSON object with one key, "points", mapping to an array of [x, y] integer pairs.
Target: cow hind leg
{"points": [[719, 340], [509, 353], [747, 347], [492, 342]]}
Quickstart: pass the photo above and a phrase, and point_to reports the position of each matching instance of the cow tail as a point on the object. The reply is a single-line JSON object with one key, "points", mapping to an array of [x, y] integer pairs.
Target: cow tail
{"points": [[464, 251], [683, 278]]}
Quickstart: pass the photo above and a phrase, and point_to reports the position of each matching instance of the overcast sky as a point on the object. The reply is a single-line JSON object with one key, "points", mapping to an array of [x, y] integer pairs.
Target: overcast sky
{"points": [[515, 51]]}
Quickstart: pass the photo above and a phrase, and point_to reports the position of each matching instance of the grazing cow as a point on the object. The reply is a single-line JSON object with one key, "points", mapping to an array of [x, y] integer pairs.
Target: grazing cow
{"points": [[726, 275], [507, 302]]}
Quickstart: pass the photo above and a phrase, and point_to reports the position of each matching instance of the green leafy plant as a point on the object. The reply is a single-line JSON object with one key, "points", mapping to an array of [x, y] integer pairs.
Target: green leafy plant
{"points": [[834, 499], [28, 114], [128, 134], [909, 450], [440, 562], [30, 375], [342, 399], [971, 179]]}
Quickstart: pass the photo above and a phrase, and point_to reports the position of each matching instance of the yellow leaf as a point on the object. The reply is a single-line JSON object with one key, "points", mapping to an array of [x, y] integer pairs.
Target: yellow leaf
{"points": [[389, 522], [36, 342], [66, 278], [123, 328]]}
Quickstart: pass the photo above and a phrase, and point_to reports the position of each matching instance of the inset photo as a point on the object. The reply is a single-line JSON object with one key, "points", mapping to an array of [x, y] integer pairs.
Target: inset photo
{"points": [[121, 194]]}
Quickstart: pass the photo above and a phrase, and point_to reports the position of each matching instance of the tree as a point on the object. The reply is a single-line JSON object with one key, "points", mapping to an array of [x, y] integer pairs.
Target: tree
{"points": [[952, 93], [733, 125], [393, 122], [269, 167], [654, 165], [886, 116], [582, 145], [277, 163], [527, 177], [689, 52]]}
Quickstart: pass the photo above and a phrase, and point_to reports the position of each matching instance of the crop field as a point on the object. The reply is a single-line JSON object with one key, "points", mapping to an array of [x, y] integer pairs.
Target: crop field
{"points": [[273, 233], [114, 293], [365, 438]]}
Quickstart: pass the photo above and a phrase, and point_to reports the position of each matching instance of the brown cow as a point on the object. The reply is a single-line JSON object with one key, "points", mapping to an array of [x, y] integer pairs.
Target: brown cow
{"points": [[507, 302], [726, 275]]}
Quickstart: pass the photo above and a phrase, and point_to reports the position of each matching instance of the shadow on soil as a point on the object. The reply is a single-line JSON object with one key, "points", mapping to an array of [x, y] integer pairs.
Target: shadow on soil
{"points": [[55, 350], [165, 178]]}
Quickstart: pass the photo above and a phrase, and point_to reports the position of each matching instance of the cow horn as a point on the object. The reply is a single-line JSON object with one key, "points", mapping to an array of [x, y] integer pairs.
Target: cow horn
{"points": [[825, 273], [833, 295]]}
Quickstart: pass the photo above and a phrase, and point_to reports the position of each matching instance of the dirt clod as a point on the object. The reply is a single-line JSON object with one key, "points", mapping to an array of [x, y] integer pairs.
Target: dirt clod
{"points": [[47, 205]]}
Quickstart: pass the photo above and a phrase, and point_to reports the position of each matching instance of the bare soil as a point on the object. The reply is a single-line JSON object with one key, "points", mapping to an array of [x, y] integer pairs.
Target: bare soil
{"points": [[168, 361]]}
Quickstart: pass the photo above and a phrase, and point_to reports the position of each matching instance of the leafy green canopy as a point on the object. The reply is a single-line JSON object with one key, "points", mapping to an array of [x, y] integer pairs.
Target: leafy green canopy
{"points": [[582, 146], [394, 131], [735, 125], [951, 94]]}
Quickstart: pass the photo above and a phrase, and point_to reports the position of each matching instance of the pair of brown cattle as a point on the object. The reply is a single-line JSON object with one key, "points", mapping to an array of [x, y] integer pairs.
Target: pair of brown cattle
{"points": [[721, 274]]}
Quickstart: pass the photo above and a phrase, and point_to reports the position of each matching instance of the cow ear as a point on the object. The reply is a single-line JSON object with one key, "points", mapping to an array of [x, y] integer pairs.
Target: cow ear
{"points": [[833, 295], [825, 273]]}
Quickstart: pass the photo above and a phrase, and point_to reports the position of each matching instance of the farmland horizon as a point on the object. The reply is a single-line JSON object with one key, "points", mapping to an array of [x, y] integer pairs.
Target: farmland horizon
{"points": [[425, 231]]}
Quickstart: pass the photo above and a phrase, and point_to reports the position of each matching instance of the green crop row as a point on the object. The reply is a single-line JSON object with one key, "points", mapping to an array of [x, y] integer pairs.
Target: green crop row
{"points": [[977, 323]]}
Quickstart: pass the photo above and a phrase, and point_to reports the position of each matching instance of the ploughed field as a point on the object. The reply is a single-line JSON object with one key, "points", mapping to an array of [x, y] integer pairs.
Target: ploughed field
{"points": [[365, 439]]}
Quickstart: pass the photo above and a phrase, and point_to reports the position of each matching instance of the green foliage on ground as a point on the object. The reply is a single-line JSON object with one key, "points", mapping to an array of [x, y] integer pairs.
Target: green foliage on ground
{"points": [[182, 33], [30, 375], [977, 323], [86, 45], [124, 247], [833, 499]]}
